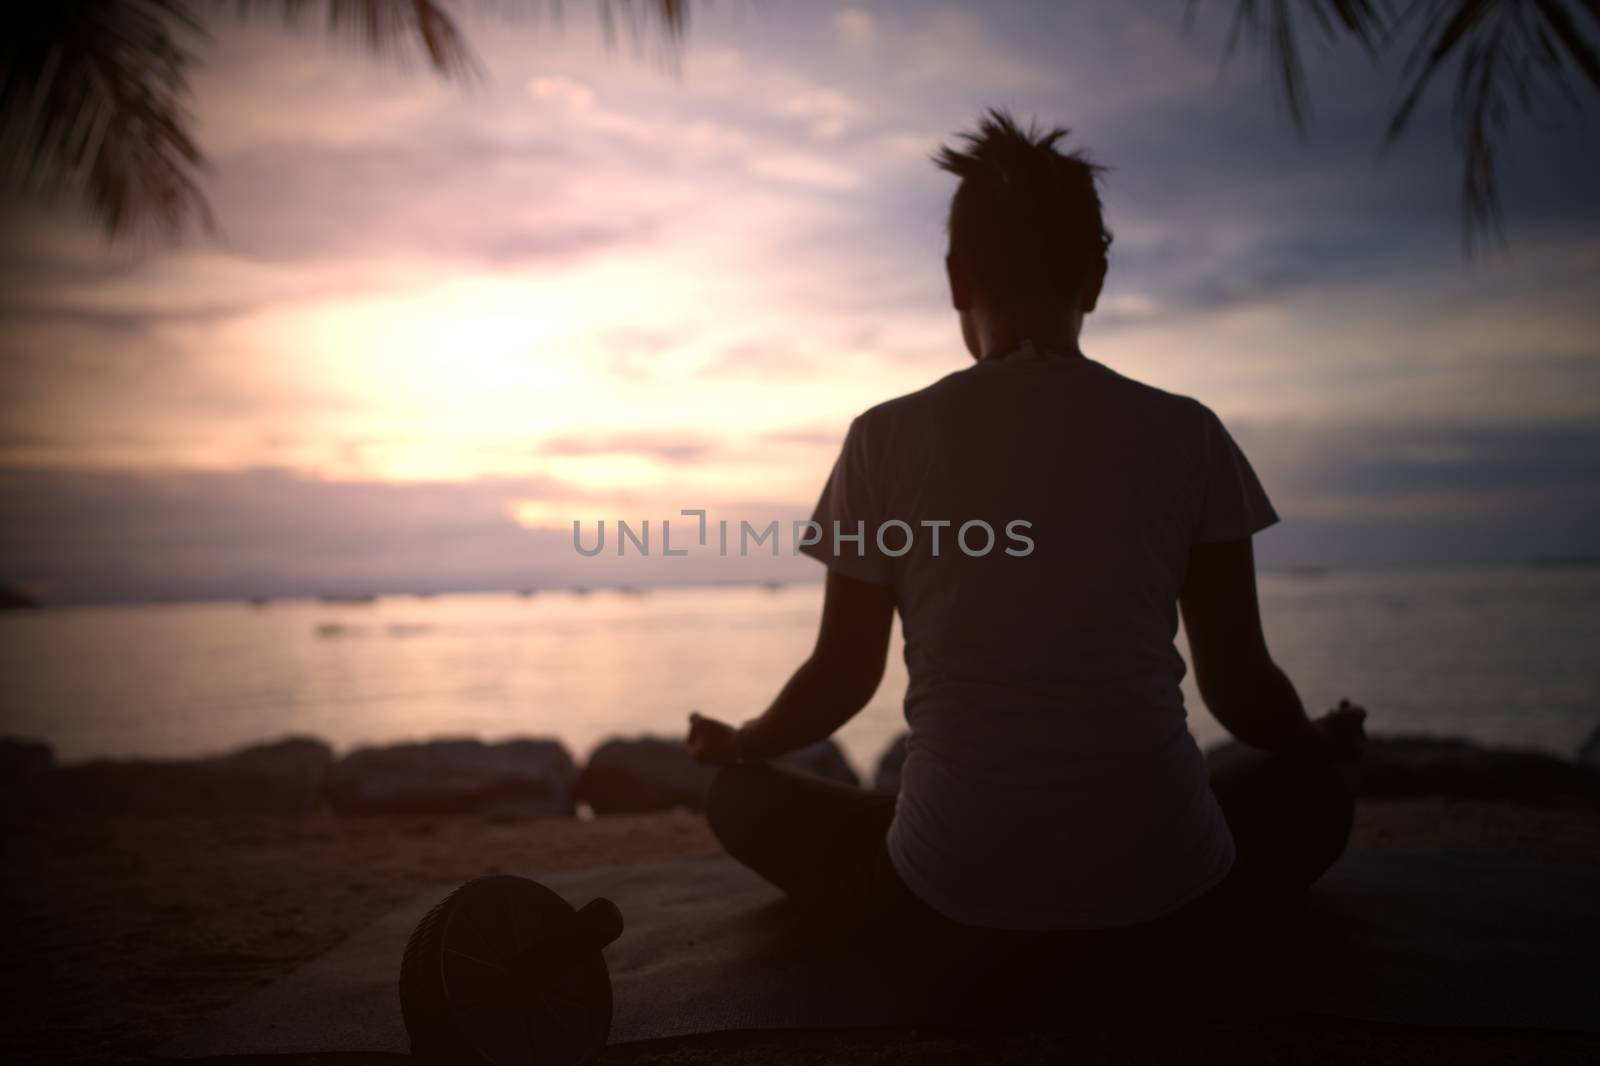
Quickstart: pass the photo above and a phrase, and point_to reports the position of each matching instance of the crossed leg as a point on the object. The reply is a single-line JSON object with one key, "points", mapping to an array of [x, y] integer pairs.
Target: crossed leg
{"points": [[822, 843], [1290, 821]]}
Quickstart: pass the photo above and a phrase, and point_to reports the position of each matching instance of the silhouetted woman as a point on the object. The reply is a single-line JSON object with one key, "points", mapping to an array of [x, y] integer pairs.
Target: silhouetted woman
{"points": [[1038, 520]]}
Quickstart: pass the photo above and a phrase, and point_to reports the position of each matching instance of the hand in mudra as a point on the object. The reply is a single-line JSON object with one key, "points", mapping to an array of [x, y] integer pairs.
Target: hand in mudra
{"points": [[1344, 736], [712, 742]]}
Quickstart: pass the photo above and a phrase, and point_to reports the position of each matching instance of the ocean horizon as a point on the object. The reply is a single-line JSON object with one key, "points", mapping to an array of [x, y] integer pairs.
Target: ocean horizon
{"points": [[1498, 655], [367, 594]]}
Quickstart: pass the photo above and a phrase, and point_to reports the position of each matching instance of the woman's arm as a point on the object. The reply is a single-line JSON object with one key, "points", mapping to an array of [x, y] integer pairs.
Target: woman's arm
{"points": [[828, 689], [1246, 691]]}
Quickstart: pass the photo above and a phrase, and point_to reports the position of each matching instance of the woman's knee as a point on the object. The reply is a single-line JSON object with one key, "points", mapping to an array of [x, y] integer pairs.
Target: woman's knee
{"points": [[1332, 805], [730, 803], [1294, 815]]}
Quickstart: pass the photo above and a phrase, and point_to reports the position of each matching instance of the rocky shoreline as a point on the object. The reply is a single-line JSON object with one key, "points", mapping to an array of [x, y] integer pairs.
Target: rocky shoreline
{"points": [[538, 777], [527, 777]]}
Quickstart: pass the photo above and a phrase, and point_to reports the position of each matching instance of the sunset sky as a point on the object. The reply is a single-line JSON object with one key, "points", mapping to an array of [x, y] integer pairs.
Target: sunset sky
{"points": [[438, 323]]}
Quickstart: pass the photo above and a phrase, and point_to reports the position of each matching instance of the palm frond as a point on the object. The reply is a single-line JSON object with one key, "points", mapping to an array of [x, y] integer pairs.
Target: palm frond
{"points": [[661, 21], [671, 16], [1562, 23], [1510, 54], [93, 93], [1271, 25], [388, 28], [93, 103]]}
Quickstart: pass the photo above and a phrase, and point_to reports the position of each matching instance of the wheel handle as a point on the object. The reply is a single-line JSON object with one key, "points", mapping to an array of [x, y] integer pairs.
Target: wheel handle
{"points": [[595, 925]]}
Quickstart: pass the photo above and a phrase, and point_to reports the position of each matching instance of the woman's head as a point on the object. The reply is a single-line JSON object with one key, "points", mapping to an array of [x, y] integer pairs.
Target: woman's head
{"points": [[1027, 236]]}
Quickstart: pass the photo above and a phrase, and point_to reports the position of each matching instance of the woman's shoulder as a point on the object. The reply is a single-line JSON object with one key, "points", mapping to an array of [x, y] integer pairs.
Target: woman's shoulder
{"points": [[1153, 401], [958, 392]]}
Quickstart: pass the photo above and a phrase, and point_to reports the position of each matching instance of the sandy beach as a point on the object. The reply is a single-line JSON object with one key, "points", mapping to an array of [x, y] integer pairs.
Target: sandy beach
{"points": [[122, 933]]}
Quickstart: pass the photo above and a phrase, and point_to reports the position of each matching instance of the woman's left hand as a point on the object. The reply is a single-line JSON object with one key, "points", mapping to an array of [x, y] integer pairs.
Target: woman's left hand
{"points": [[712, 742]]}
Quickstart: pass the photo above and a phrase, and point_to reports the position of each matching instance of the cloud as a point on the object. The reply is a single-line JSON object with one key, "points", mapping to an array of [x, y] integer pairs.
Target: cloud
{"points": [[470, 198], [570, 93], [767, 359], [801, 168], [670, 447], [1376, 493], [1379, 460], [80, 535], [828, 113], [808, 436], [957, 48], [541, 244], [855, 27], [1361, 494]]}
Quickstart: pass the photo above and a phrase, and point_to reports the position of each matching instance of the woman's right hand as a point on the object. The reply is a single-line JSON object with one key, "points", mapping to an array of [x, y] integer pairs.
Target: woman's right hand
{"points": [[712, 743], [1344, 737]]}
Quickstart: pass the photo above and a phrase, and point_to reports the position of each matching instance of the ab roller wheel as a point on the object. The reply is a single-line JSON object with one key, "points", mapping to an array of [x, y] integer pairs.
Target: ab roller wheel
{"points": [[503, 972]]}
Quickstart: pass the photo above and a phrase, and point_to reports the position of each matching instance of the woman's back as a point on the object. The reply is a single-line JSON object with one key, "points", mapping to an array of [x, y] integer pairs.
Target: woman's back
{"points": [[1049, 750], [1051, 782]]}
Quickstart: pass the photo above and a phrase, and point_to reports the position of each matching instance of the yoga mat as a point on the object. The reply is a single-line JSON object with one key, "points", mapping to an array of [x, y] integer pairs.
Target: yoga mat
{"points": [[710, 947]]}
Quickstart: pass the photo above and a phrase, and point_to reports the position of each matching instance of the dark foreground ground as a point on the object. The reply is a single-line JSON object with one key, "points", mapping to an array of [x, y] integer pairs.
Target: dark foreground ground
{"points": [[122, 933]]}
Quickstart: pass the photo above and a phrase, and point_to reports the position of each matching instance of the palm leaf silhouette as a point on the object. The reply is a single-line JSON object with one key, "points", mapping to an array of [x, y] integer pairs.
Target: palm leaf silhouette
{"points": [[1273, 25], [93, 93], [1509, 55], [92, 98]]}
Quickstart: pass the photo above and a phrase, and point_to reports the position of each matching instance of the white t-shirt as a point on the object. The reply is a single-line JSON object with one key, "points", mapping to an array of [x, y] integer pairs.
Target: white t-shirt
{"points": [[1051, 781]]}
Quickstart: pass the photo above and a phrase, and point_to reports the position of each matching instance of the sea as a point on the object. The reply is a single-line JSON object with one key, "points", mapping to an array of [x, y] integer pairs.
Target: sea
{"points": [[1501, 656]]}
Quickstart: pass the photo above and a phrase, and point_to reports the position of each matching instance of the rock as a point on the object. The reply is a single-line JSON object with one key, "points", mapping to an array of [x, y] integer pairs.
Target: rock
{"points": [[630, 776], [886, 778], [524, 778], [626, 776], [1415, 767], [825, 760], [1408, 767], [16, 598], [284, 777], [21, 758]]}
